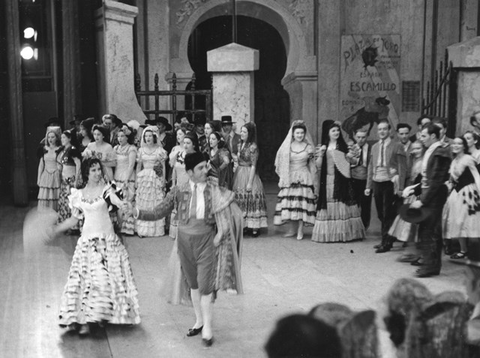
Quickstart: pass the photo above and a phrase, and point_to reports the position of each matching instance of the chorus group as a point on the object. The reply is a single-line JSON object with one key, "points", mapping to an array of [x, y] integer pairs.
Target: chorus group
{"points": [[113, 178]]}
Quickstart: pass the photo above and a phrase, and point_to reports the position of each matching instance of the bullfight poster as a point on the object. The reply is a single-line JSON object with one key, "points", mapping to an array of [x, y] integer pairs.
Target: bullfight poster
{"points": [[370, 81]]}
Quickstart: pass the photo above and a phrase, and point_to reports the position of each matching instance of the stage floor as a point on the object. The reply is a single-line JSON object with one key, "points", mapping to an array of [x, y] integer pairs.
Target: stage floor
{"points": [[281, 276]]}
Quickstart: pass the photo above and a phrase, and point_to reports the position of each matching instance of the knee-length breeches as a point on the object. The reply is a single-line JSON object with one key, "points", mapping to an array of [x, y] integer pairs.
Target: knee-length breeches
{"points": [[197, 255]]}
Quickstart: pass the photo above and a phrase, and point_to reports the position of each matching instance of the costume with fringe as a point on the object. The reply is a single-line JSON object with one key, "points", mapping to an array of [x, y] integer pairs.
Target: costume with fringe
{"points": [[177, 162], [125, 184], [338, 215], [100, 285], [296, 170], [220, 210], [49, 181], [67, 159], [150, 189], [401, 229], [252, 203], [461, 213]]}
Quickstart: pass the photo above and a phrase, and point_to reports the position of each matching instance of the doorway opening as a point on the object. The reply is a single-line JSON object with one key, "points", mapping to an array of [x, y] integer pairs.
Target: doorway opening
{"points": [[272, 103]]}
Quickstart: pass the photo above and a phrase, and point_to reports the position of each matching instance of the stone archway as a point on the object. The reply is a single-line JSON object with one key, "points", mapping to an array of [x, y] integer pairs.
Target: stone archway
{"points": [[300, 79]]}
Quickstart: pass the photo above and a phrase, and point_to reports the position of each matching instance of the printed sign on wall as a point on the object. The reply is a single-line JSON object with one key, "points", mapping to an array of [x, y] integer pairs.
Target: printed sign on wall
{"points": [[370, 83]]}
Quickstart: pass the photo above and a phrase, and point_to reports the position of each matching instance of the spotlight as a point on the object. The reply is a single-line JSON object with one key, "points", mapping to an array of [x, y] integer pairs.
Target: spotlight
{"points": [[27, 53], [29, 32]]}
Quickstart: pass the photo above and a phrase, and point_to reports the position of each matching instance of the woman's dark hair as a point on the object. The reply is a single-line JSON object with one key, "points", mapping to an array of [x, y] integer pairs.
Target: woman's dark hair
{"points": [[464, 142], [300, 126], [183, 129], [153, 135], [252, 132], [327, 125], [86, 165], [475, 136], [193, 137], [88, 124], [221, 142], [215, 125], [103, 130], [72, 137], [130, 137]]}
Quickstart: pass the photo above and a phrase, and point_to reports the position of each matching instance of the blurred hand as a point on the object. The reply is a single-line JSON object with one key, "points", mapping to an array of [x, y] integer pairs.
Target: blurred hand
{"points": [[217, 239], [367, 192], [417, 204]]}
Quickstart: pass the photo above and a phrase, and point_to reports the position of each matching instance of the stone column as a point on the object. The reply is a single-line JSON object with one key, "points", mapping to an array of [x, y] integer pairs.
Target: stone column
{"points": [[233, 92], [114, 23], [465, 58], [19, 175], [302, 89]]}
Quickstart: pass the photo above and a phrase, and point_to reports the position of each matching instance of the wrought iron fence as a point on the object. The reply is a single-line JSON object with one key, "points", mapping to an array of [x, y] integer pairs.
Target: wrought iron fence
{"points": [[441, 94], [190, 97]]}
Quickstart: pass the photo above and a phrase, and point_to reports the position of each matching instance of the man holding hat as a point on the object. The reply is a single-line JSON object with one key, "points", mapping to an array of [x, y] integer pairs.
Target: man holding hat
{"points": [[433, 195], [209, 239]]}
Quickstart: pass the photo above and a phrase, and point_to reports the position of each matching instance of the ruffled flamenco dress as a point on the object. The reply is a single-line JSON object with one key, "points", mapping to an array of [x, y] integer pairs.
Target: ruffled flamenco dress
{"points": [[252, 203], [296, 198], [49, 182], [150, 190], [338, 215], [100, 285]]}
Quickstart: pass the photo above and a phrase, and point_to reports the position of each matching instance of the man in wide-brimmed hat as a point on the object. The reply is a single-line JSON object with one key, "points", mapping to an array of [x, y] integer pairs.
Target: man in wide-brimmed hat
{"points": [[200, 132], [231, 138]]}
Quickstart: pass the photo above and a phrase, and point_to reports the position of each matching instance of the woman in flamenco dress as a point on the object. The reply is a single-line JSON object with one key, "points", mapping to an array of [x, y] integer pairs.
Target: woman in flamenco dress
{"points": [[49, 167], [124, 175], [295, 166], [338, 215], [150, 181], [100, 287], [247, 185], [461, 212]]}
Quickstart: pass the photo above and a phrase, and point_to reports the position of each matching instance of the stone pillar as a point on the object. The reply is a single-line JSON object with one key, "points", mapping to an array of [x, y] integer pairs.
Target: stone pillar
{"points": [[233, 92], [302, 89], [465, 58], [19, 176], [114, 23]]}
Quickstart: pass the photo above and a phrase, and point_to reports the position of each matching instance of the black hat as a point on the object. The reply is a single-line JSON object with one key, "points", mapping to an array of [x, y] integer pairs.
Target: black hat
{"points": [[164, 121], [414, 216], [53, 121], [76, 118], [200, 121], [150, 122], [227, 120], [193, 159]]}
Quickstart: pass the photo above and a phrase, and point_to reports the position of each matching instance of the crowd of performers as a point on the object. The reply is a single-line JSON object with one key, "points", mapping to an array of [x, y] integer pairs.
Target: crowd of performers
{"points": [[425, 187]]}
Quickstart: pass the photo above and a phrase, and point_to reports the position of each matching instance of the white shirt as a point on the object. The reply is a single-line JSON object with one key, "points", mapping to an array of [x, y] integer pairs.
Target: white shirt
{"points": [[379, 160], [200, 199]]}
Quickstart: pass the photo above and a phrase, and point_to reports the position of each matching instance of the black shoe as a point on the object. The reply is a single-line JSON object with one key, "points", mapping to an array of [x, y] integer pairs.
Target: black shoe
{"points": [[378, 246], [416, 262], [383, 248], [207, 342], [427, 272], [408, 258], [194, 331]]}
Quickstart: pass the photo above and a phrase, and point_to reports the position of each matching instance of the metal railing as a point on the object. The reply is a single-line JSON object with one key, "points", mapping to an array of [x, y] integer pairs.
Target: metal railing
{"points": [[190, 97]]}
